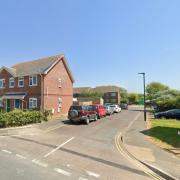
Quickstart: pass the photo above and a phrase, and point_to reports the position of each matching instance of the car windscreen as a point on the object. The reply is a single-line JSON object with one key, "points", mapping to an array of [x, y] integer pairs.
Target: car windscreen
{"points": [[78, 108]]}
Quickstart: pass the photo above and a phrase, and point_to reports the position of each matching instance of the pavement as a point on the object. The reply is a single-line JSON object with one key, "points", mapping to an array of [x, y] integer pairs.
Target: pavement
{"points": [[140, 146], [61, 150]]}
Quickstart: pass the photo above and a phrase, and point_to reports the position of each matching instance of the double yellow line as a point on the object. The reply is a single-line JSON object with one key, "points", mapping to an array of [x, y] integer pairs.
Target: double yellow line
{"points": [[120, 147]]}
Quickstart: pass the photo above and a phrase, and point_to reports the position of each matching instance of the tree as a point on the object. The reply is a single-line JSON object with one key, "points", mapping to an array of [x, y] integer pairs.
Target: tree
{"points": [[133, 98], [124, 95], [153, 88]]}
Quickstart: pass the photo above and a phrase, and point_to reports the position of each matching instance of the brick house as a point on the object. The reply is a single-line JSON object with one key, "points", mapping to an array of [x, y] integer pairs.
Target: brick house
{"points": [[110, 94], [45, 83]]}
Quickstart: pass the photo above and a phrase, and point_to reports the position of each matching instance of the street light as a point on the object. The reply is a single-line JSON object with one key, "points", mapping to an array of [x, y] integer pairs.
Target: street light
{"points": [[144, 83]]}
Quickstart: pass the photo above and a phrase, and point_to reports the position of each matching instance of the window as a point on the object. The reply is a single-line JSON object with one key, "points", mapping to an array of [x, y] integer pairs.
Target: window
{"points": [[33, 80], [113, 94], [11, 82], [21, 82], [32, 103], [1, 102], [113, 100], [59, 82], [2, 83]]}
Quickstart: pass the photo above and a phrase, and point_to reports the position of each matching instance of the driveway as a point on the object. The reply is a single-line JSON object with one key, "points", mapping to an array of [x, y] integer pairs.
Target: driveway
{"points": [[61, 150]]}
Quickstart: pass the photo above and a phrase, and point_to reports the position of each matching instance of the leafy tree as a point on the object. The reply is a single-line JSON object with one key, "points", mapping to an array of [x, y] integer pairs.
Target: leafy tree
{"points": [[91, 94], [133, 98], [124, 95], [153, 88]]}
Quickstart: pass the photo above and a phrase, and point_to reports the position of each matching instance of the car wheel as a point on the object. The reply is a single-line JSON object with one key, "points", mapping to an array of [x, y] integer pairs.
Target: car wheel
{"points": [[87, 120]]}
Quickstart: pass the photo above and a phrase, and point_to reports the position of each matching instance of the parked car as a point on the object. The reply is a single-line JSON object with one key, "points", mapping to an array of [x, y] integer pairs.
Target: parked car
{"points": [[171, 114], [116, 108], [109, 110], [108, 104], [82, 113], [124, 106], [100, 110]]}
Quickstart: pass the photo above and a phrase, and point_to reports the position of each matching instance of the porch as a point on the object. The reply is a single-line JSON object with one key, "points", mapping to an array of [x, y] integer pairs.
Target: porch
{"points": [[14, 100]]}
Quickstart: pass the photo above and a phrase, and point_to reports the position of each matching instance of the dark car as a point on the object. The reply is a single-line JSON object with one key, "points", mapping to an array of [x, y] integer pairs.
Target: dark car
{"points": [[82, 113], [100, 110], [171, 114], [124, 106]]}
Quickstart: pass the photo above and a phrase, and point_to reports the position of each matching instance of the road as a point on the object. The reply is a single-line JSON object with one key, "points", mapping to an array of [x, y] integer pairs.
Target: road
{"points": [[61, 150]]}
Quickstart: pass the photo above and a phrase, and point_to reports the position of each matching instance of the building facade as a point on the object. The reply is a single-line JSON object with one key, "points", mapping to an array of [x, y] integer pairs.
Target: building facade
{"points": [[110, 94], [45, 83]]}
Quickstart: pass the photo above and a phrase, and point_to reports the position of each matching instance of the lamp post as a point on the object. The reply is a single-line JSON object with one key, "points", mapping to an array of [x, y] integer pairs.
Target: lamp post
{"points": [[144, 84]]}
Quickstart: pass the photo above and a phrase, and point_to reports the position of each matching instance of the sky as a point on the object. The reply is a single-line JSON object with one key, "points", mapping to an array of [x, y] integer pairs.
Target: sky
{"points": [[106, 42]]}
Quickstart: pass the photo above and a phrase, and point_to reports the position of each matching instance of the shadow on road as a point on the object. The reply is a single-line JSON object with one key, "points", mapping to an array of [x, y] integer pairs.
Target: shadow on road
{"points": [[68, 122], [106, 162]]}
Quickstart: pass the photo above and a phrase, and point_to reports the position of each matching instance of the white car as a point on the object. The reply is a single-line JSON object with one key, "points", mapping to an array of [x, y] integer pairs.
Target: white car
{"points": [[116, 108]]}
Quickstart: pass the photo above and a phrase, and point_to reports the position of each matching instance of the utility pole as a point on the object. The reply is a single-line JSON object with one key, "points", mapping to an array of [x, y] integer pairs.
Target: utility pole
{"points": [[144, 84]]}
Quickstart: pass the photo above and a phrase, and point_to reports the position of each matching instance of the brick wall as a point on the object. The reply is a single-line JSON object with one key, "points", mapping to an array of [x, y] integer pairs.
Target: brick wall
{"points": [[57, 84], [33, 91]]}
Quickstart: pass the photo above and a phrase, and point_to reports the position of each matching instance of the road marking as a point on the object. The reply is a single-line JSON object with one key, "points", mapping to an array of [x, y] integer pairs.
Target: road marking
{"points": [[6, 151], [93, 174], [35, 161], [133, 160], [61, 171], [53, 128], [20, 156], [135, 119], [61, 145]]}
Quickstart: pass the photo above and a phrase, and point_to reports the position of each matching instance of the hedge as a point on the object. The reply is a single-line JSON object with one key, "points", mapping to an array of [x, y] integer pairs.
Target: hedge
{"points": [[20, 118]]}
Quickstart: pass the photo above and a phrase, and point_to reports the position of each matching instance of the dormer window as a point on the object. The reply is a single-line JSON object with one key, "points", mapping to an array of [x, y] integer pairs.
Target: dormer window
{"points": [[33, 80], [2, 83], [11, 82]]}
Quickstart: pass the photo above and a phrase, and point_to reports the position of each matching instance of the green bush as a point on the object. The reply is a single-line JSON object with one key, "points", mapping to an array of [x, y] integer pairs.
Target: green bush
{"points": [[20, 118]]}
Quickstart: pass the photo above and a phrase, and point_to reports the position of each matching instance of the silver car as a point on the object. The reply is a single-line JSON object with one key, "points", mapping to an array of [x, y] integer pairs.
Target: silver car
{"points": [[109, 110]]}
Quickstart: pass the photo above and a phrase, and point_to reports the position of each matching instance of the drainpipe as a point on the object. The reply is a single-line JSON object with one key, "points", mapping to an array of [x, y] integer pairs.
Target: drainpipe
{"points": [[42, 93]]}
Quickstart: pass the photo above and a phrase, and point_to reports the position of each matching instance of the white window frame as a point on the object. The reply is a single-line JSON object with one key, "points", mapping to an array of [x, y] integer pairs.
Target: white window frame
{"points": [[11, 80], [1, 103], [31, 103], [3, 80], [21, 79], [31, 80]]}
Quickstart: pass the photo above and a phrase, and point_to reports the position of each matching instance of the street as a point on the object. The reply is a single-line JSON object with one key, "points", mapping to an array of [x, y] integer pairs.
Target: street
{"points": [[61, 150]]}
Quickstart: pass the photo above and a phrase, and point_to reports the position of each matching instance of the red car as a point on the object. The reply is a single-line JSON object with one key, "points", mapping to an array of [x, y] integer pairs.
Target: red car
{"points": [[100, 110]]}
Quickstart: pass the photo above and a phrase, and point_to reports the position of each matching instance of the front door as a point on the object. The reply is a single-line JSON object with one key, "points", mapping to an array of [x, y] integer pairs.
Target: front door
{"points": [[8, 105], [17, 104]]}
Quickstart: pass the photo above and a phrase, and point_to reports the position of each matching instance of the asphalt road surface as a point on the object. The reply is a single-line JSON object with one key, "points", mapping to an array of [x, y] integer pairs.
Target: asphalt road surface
{"points": [[61, 150]]}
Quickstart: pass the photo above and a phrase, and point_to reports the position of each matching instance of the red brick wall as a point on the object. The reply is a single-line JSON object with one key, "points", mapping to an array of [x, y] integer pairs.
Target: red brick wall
{"points": [[33, 91], [52, 91]]}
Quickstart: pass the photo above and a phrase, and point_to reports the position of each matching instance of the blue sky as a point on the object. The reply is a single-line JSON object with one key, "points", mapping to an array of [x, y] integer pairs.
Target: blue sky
{"points": [[105, 41]]}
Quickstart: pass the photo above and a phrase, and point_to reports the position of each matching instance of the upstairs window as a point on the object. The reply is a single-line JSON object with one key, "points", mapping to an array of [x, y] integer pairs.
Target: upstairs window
{"points": [[2, 83], [33, 81], [11, 82], [113, 94], [21, 82]]}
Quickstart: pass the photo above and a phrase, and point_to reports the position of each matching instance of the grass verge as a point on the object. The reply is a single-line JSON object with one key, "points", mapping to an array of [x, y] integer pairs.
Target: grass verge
{"points": [[165, 131]]}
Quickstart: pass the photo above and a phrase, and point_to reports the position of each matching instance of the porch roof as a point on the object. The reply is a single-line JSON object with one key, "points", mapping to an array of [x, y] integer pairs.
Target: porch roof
{"points": [[14, 95]]}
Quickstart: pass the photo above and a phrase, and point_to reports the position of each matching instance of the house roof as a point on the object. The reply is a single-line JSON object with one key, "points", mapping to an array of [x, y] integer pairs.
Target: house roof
{"points": [[39, 66], [79, 90], [100, 89], [105, 89]]}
